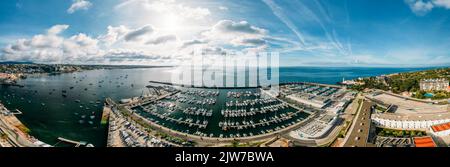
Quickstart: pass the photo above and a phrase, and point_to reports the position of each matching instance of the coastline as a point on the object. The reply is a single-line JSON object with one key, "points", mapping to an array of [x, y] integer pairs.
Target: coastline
{"points": [[16, 132], [43, 75]]}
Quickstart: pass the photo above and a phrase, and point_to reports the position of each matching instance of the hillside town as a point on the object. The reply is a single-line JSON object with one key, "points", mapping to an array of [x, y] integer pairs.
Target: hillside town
{"points": [[428, 84], [11, 72]]}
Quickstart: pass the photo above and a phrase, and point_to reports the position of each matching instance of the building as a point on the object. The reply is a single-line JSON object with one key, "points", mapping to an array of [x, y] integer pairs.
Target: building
{"points": [[426, 141], [351, 82], [308, 99], [316, 129], [441, 129], [410, 121], [5, 76], [434, 84]]}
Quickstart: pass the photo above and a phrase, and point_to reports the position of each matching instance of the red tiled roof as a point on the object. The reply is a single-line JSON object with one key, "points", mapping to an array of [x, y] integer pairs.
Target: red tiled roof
{"points": [[424, 142], [441, 127]]}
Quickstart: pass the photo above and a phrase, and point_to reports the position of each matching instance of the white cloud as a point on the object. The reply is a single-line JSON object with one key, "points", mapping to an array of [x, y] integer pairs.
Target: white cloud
{"points": [[242, 27], [225, 31], [51, 48], [131, 45], [248, 41], [121, 55], [193, 42], [113, 34], [164, 7], [422, 7], [79, 5], [442, 3], [280, 13], [241, 35], [55, 30], [223, 8], [137, 34], [135, 45], [162, 39]]}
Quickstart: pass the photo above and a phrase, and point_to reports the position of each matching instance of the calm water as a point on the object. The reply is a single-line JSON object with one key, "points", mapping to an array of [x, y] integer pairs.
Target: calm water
{"points": [[50, 115], [213, 121]]}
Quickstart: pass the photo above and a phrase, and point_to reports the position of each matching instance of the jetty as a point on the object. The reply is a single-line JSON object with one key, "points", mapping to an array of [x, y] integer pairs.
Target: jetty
{"points": [[76, 143], [107, 110], [204, 87]]}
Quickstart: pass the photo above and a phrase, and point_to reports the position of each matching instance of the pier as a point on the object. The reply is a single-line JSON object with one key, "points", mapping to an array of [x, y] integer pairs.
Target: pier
{"points": [[76, 143], [106, 110], [12, 84], [17, 112], [310, 83], [204, 87]]}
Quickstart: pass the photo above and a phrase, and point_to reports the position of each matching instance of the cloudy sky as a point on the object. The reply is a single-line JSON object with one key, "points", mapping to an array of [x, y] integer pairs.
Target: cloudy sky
{"points": [[166, 32]]}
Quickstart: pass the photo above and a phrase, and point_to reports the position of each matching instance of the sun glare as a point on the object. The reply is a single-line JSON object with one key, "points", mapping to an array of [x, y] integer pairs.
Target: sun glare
{"points": [[171, 23]]}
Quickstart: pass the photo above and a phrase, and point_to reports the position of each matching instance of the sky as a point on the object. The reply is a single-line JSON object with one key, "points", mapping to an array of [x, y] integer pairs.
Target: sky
{"points": [[386, 33]]}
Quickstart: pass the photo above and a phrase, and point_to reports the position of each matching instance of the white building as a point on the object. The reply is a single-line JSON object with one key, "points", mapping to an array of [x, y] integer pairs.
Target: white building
{"points": [[312, 100], [441, 129], [410, 121], [434, 84], [316, 129]]}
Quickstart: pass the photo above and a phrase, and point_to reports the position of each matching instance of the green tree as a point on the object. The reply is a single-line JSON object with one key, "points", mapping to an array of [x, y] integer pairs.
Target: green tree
{"points": [[235, 143], [419, 133], [413, 133]]}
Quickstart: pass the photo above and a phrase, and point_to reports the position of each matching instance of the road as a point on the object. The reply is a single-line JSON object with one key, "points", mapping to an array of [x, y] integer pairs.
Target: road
{"points": [[359, 131]]}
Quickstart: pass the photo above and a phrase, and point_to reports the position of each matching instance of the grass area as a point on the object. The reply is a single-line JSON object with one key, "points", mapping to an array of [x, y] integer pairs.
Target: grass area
{"points": [[24, 129], [344, 129], [437, 95], [399, 133], [381, 109], [443, 103], [175, 139], [3, 136]]}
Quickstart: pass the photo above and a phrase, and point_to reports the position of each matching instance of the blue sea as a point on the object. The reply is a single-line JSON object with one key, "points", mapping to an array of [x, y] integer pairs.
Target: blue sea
{"points": [[332, 75]]}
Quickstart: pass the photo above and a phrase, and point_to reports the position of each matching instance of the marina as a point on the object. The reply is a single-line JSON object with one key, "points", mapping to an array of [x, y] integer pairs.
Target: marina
{"points": [[241, 113], [78, 114]]}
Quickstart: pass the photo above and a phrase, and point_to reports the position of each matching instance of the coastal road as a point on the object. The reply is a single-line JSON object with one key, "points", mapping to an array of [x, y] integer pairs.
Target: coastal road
{"points": [[359, 132]]}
